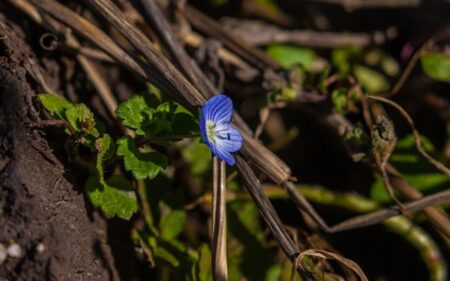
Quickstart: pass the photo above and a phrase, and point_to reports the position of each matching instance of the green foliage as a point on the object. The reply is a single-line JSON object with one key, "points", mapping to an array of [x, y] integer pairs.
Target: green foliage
{"points": [[114, 196], [248, 253], [55, 105], [344, 58], [198, 157], [204, 263], [175, 255], [133, 112], [82, 119], [436, 66], [168, 217], [78, 115], [105, 149], [288, 55], [339, 98], [371, 80], [415, 169], [166, 122], [350, 60], [142, 165], [171, 224]]}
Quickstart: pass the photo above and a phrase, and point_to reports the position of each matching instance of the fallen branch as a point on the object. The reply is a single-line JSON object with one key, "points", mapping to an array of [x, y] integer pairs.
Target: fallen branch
{"points": [[258, 33]]}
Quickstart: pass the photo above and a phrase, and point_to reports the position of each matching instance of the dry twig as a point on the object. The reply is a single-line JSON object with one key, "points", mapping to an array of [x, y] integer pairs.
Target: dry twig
{"points": [[415, 132], [219, 221]]}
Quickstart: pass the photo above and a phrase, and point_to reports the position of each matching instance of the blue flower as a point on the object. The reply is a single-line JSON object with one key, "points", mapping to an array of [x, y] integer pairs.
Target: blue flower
{"points": [[216, 128]]}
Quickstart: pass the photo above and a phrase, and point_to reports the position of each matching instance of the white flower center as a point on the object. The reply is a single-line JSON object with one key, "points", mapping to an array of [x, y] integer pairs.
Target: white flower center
{"points": [[210, 131]]}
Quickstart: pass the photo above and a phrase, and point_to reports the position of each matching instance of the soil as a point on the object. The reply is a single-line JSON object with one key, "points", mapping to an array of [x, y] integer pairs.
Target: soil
{"points": [[41, 209]]}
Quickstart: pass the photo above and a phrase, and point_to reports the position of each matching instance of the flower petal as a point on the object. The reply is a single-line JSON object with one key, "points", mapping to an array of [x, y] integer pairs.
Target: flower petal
{"points": [[228, 138], [225, 156], [225, 139], [218, 109]]}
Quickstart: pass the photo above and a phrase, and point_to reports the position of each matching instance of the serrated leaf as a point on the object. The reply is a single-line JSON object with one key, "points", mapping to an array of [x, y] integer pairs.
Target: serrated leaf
{"points": [[57, 106], [82, 119], [166, 120], [171, 224], [131, 111], [370, 80], [288, 55], [115, 197], [184, 124], [142, 165], [436, 66]]}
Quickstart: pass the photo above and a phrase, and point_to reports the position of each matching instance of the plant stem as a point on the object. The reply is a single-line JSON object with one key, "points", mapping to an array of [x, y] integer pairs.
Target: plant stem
{"points": [[219, 221]]}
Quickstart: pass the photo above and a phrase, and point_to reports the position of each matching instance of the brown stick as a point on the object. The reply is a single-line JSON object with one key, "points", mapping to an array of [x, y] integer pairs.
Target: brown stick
{"points": [[258, 33], [187, 65], [219, 221], [269, 214], [437, 217], [210, 27], [379, 216], [416, 134]]}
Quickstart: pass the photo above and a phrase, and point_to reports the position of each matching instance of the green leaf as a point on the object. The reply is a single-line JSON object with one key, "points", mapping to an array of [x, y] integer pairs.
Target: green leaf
{"points": [[82, 119], [78, 115], [162, 254], [199, 157], [247, 249], [273, 273], [175, 255], [114, 197], [142, 165], [288, 55], [184, 124], [436, 66], [171, 224], [55, 105], [339, 98], [131, 111], [344, 58], [165, 121], [204, 263], [370, 80]]}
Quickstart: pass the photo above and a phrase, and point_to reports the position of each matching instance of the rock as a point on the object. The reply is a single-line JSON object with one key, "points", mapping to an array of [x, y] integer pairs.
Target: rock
{"points": [[14, 251]]}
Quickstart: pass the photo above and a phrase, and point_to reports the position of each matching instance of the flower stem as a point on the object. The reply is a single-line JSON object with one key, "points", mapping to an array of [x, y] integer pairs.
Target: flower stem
{"points": [[219, 221]]}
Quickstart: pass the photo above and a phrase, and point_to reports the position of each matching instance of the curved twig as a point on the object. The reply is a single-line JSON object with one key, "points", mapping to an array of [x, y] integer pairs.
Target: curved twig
{"points": [[415, 132]]}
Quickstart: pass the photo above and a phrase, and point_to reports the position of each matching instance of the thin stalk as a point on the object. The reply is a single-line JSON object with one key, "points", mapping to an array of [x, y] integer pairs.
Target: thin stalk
{"points": [[219, 221]]}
